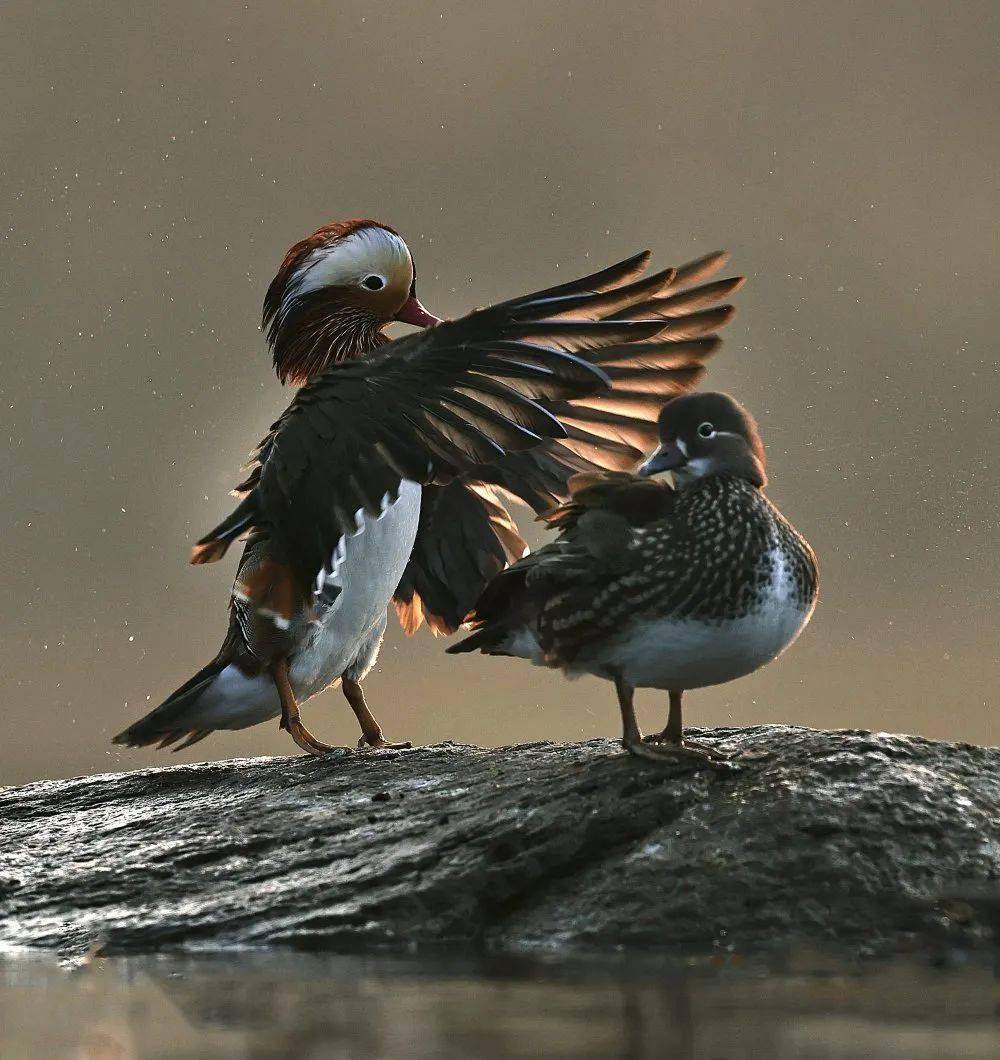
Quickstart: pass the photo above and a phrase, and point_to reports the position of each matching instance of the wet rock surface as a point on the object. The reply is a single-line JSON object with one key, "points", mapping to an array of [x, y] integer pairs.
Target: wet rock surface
{"points": [[856, 839]]}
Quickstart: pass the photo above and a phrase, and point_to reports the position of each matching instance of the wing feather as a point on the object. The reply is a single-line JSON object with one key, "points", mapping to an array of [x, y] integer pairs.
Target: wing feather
{"points": [[513, 399]]}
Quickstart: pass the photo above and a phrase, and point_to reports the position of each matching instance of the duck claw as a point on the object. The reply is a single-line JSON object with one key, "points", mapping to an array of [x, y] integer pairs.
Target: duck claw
{"points": [[381, 744], [693, 747], [655, 749], [305, 739]]}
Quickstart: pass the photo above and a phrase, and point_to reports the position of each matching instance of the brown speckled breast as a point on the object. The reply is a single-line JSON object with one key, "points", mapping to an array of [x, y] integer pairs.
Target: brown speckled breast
{"points": [[714, 560]]}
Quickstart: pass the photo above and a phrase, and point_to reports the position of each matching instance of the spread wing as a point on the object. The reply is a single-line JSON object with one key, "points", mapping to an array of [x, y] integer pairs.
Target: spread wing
{"points": [[466, 536], [430, 407]]}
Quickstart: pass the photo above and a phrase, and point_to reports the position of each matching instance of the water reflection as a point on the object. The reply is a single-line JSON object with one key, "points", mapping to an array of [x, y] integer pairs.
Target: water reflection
{"points": [[264, 1005]]}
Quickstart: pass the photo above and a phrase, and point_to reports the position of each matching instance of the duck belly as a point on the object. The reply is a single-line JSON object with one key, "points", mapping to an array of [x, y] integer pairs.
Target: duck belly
{"points": [[682, 653], [671, 654], [366, 571]]}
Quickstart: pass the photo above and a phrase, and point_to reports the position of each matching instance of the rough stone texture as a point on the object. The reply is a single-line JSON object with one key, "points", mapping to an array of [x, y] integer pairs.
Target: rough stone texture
{"points": [[842, 837]]}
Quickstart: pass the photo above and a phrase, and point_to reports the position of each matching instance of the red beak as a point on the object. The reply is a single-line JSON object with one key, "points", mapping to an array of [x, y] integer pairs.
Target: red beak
{"points": [[414, 313]]}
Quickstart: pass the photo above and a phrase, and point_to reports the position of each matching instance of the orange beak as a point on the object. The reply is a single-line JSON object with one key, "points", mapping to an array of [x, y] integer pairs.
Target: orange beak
{"points": [[414, 313]]}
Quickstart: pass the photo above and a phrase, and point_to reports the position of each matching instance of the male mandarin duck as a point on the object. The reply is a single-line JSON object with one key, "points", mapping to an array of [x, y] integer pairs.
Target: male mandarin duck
{"points": [[386, 478], [661, 585]]}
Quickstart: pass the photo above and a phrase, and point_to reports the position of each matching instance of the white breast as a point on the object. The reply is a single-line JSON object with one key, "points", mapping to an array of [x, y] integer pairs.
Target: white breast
{"points": [[670, 653], [366, 570]]}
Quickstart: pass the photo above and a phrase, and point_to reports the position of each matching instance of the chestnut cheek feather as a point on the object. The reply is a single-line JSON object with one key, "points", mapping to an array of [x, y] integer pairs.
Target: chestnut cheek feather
{"points": [[312, 322], [319, 330]]}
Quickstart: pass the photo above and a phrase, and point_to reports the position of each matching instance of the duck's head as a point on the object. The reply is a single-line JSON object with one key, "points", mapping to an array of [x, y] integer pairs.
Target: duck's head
{"points": [[707, 434], [335, 293]]}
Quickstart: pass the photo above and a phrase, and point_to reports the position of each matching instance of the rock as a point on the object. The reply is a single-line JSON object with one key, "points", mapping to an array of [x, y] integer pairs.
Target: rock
{"points": [[852, 838]]}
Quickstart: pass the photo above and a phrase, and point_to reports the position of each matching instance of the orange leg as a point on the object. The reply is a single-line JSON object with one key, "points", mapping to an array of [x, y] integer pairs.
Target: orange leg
{"points": [[290, 719], [371, 730]]}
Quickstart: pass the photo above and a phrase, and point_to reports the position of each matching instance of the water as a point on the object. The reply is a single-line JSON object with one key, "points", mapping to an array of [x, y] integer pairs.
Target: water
{"points": [[274, 1005]]}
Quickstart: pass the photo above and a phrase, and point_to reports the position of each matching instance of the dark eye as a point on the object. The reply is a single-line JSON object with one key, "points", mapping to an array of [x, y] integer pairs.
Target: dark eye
{"points": [[373, 283], [706, 430]]}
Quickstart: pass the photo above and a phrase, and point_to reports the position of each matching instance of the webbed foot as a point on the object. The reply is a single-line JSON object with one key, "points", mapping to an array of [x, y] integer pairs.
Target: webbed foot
{"points": [[685, 746], [655, 750]]}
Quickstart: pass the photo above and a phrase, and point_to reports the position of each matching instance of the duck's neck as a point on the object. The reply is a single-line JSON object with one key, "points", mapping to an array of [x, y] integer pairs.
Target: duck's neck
{"points": [[316, 334], [718, 481]]}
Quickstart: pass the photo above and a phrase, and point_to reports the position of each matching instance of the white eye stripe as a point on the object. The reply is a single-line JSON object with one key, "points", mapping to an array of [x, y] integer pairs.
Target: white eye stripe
{"points": [[368, 252]]}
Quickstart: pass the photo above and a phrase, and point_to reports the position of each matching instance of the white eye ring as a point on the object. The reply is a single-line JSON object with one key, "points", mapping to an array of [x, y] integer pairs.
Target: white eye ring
{"points": [[706, 430], [374, 282]]}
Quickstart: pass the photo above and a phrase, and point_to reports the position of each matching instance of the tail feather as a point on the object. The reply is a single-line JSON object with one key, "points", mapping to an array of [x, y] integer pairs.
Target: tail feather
{"points": [[165, 725], [196, 737], [500, 620]]}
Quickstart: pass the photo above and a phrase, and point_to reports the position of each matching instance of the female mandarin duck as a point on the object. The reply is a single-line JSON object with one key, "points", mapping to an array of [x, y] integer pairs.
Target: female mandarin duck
{"points": [[382, 481], [653, 585]]}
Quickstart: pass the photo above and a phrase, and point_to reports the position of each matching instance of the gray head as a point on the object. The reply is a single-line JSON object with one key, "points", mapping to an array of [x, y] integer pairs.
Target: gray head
{"points": [[707, 434]]}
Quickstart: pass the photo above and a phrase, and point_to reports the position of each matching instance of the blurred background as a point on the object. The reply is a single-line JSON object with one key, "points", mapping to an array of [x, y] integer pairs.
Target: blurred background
{"points": [[158, 160]]}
